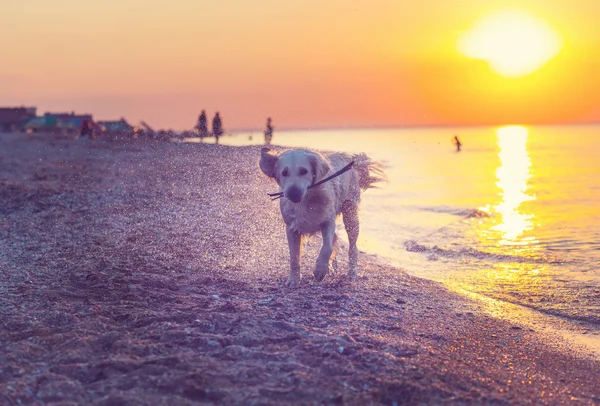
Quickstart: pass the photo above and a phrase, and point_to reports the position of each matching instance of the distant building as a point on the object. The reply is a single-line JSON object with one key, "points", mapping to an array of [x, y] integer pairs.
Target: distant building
{"points": [[69, 116], [56, 123], [69, 122], [117, 128], [44, 124], [13, 118]]}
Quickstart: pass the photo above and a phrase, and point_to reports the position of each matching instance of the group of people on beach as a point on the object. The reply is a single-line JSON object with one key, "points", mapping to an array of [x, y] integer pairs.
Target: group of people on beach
{"points": [[217, 126]]}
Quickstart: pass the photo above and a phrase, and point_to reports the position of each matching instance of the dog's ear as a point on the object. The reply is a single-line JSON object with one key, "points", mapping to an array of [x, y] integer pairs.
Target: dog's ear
{"points": [[267, 162], [320, 167]]}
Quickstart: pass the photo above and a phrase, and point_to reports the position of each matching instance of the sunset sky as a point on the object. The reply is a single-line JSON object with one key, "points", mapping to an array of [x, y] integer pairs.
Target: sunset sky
{"points": [[306, 63]]}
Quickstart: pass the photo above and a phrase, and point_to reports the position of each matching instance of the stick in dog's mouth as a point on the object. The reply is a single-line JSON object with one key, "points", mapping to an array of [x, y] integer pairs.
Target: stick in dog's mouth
{"points": [[279, 195]]}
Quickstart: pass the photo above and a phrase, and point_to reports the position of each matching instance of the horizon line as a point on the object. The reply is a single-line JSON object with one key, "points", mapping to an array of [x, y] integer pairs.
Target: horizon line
{"points": [[398, 126]]}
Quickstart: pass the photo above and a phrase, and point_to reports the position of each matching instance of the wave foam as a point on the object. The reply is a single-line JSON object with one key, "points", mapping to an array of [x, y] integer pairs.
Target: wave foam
{"points": [[413, 246], [466, 213]]}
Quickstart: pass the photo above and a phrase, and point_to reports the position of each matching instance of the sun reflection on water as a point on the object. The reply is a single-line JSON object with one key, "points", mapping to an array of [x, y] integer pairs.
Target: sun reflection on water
{"points": [[512, 177]]}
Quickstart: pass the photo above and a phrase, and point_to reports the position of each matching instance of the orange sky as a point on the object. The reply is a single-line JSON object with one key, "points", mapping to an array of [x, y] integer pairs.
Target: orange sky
{"points": [[307, 63]]}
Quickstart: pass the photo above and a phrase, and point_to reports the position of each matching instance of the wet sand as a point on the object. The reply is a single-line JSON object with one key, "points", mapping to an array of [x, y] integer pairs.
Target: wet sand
{"points": [[152, 273]]}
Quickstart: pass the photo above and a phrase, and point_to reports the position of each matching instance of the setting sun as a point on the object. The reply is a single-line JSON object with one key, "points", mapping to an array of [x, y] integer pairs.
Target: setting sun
{"points": [[514, 43]]}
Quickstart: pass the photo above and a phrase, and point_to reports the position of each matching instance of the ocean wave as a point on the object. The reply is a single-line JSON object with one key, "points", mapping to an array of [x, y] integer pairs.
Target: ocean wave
{"points": [[435, 251], [560, 304], [466, 213]]}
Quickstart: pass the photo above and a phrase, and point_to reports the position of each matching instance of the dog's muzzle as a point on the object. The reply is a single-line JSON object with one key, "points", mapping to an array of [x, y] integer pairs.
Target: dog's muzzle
{"points": [[294, 194]]}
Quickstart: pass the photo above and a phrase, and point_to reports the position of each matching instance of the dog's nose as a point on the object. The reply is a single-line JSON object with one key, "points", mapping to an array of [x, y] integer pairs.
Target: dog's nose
{"points": [[294, 194]]}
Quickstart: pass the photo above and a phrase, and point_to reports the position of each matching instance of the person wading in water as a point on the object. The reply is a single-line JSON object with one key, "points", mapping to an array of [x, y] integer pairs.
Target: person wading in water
{"points": [[457, 143]]}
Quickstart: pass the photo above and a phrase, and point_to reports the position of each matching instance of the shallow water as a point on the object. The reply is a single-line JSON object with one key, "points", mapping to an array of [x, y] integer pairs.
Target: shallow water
{"points": [[514, 216]]}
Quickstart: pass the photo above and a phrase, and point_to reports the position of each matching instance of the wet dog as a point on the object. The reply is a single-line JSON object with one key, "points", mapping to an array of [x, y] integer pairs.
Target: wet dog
{"points": [[308, 209]]}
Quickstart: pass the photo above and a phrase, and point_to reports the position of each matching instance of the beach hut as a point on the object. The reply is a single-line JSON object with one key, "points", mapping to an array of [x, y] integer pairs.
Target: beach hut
{"points": [[69, 123], [45, 124], [119, 128], [13, 118]]}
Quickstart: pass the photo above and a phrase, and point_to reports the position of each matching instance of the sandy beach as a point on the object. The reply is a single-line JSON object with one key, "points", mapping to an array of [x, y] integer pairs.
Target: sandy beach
{"points": [[151, 273]]}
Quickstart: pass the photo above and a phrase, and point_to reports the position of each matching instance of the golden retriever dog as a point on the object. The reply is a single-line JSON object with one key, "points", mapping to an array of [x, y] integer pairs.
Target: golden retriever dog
{"points": [[308, 209]]}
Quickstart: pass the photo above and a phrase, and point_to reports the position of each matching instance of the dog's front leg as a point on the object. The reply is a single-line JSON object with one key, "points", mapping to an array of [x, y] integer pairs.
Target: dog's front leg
{"points": [[328, 232], [295, 244]]}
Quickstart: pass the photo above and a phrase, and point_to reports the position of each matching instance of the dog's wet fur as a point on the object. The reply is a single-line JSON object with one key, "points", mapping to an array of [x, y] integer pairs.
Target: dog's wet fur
{"points": [[306, 211]]}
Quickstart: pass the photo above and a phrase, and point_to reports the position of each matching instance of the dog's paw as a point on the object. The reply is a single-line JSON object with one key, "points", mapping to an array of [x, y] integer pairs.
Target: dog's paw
{"points": [[321, 270], [292, 282], [352, 276]]}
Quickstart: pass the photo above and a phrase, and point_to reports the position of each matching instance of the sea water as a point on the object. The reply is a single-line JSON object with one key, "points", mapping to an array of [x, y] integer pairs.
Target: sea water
{"points": [[514, 216]]}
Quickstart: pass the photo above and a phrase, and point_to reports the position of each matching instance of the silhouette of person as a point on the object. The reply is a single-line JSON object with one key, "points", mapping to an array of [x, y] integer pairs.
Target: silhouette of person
{"points": [[86, 129], [217, 127], [202, 125], [457, 143], [268, 132]]}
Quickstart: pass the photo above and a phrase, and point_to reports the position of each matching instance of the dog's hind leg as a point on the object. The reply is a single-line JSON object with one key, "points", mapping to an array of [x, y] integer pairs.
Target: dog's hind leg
{"points": [[336, 250], [324, 259], [295, 245], [350, 216]]}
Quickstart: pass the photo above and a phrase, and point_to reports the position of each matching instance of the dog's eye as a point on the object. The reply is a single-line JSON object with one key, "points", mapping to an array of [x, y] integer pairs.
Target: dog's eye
{"points": [[285, 172], [303, 171]]}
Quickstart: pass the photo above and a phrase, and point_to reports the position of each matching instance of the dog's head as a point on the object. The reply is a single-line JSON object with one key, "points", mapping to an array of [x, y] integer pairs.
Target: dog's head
{"points": [[294, 171]]}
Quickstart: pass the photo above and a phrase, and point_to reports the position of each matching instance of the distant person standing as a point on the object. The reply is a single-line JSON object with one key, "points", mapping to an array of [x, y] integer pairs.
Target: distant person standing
{"points": [[86, 130], [268, 132], [202, 125], [457, 143], [217, 127]]}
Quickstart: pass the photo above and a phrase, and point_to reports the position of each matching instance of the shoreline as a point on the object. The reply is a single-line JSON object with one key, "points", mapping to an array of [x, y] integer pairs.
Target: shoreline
{"points": [[148, 272], [582, 336]]}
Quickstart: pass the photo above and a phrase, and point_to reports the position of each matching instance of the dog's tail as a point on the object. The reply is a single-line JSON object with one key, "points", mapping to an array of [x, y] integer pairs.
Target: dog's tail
{"points": [[369, 171]]}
